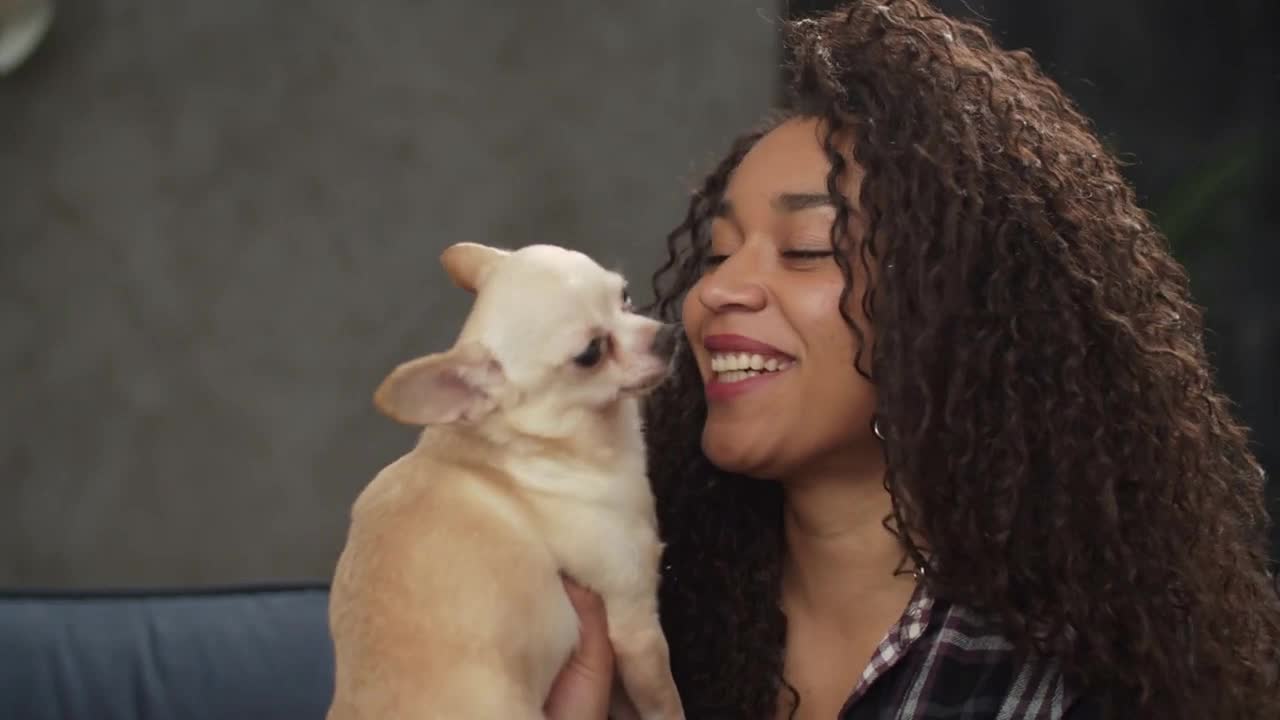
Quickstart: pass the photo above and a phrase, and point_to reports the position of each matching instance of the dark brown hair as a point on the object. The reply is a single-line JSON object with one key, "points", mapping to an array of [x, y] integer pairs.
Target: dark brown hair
{"points": [[1054, 434]]}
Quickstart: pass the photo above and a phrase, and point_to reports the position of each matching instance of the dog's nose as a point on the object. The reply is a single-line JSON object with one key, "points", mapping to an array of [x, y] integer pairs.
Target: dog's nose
{"points": [[664, 341]]}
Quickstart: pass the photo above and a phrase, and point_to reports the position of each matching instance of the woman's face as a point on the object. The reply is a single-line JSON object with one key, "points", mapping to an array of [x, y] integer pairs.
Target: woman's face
{"points": [[776, 358]]}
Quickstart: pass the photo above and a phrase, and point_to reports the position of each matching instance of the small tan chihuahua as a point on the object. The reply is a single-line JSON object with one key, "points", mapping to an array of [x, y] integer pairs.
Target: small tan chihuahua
{"points": [[447, 600]]}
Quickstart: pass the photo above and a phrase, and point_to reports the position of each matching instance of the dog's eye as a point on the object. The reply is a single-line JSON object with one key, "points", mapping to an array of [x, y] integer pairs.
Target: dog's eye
{"points": [[626, 299], [591, 356]]}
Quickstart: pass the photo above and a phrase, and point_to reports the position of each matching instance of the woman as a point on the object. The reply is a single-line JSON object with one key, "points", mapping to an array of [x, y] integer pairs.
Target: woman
{"points": [[945, 407]]}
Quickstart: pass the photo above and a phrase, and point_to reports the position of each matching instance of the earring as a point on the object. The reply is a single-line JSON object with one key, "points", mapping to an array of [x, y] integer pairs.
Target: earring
{"points": [[875, 428]]}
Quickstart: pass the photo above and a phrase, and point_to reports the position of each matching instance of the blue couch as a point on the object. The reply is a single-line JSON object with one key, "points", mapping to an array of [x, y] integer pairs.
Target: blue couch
{"points": [[239, 653]]}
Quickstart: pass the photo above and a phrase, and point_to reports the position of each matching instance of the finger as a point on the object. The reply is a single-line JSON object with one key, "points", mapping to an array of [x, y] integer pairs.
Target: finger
{"points": [[581, 690], [594, 647]]}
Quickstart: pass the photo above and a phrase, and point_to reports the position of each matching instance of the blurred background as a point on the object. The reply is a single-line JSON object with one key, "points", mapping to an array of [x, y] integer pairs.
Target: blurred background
{"points": [[220, 222]]}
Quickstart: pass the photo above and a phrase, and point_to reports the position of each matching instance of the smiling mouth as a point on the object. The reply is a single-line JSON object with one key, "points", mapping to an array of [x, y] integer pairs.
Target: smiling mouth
{"points": [[736, 367]]}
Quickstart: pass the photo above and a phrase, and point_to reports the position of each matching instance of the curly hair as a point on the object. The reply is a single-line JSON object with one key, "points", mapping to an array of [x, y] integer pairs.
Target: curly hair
{"points": [[1058, 455]]}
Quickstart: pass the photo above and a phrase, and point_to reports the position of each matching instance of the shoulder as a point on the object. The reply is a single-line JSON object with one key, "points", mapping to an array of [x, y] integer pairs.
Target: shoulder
{"points": [[968, 661]]}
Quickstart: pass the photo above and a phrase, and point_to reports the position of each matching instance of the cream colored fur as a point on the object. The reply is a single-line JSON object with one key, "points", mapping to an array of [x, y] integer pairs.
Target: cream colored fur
{"points": [[447, 601]]}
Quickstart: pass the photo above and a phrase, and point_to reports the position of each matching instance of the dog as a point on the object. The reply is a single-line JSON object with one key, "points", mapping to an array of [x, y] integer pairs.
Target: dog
{"points": [[447, 600]]}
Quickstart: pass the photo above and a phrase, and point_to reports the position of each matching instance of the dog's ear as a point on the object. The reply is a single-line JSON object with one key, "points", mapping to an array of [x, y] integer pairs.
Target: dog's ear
{"points": [[469, 263], [460, 384]]}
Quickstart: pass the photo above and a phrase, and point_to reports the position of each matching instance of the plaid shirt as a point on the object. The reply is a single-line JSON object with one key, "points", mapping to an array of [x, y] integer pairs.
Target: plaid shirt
{"points": [[943, 661]]}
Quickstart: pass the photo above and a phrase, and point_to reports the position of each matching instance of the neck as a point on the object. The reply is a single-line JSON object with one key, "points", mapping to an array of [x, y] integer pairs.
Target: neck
{"points": [[592, 434], [840, 557]]}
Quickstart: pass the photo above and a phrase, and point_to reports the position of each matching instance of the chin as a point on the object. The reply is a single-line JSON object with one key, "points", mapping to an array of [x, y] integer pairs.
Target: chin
{"points": [[732, 454]]}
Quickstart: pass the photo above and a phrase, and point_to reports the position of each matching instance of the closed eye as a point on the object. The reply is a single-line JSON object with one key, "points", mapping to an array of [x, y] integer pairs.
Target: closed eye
{"points": [[807, 254], [711, 261]]}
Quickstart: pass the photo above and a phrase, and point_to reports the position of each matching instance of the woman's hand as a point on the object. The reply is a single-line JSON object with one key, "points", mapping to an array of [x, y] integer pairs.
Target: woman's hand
{"points": [[581, 690]]}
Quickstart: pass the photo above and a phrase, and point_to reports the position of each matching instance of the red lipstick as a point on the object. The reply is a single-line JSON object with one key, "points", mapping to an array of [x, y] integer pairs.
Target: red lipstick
{"points": [[742, 344]]}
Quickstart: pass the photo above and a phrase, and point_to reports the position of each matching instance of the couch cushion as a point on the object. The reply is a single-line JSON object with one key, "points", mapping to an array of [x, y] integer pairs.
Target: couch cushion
{"points": [[224, 654]]}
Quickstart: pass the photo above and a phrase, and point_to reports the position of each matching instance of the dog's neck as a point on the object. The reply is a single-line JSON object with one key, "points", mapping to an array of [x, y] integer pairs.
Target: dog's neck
{"points": [[599, 436], [595, 433]]}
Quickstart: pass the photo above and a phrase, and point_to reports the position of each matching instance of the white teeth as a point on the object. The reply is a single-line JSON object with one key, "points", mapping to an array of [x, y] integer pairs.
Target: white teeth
{"points": [[735, 376], [733, 367]]}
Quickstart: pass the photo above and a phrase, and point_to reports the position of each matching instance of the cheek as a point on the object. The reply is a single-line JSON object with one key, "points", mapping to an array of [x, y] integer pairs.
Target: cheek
{"points": [[848, 402], [836, 340], [850, 397], [843, 398]]}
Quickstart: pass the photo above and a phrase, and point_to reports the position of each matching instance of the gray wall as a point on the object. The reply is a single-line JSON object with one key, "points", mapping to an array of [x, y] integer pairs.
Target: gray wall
{"points": [[219, 224]]}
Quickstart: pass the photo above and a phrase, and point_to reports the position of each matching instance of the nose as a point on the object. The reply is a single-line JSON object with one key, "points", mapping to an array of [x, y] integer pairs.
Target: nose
{"points": [[664, 341], [733, 285]]}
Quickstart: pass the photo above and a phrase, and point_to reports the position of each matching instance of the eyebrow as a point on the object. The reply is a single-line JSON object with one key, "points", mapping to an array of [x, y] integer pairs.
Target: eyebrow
{"points": [[786, 202], [795, 202]]}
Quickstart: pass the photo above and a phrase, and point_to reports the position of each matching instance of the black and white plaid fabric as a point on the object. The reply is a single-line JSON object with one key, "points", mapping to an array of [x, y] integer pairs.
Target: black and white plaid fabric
{"points": [[943, 661]]}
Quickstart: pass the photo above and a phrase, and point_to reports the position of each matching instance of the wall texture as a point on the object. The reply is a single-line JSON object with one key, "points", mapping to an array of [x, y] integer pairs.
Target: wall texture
{"points": [[219, 224]]}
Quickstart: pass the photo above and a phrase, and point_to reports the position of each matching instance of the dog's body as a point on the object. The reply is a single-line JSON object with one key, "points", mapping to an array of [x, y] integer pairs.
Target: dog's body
{"points": [[447, 601]]}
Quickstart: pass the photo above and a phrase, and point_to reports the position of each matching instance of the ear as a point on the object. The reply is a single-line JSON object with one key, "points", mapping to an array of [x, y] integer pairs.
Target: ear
{"points": [[442, 388], [469, 263]]}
